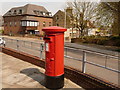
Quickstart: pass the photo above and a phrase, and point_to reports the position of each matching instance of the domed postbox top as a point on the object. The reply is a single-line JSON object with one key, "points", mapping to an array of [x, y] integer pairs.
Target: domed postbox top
{"points": [[54, 29]]}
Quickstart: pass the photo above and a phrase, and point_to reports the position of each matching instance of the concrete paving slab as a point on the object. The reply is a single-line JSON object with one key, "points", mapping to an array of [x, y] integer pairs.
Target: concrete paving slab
{"points": [[19, 74]]}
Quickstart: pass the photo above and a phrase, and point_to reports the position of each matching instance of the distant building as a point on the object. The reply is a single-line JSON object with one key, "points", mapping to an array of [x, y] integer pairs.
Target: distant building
{"points": [[59, 19], [1, 23], [93, 31], [63, 19], [28, 19]]}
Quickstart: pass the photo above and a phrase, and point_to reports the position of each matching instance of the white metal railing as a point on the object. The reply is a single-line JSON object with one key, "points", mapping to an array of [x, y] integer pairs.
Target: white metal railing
{"points": [[84, 59], [39, 47], [26, 45]]}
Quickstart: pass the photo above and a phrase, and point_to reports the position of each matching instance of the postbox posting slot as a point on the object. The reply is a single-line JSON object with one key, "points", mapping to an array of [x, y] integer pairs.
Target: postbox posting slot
{"points": [[48, 39]]}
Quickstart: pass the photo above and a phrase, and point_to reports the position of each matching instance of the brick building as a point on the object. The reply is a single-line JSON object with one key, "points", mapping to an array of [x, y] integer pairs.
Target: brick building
{"points": [[1, 23], [64, 19], [28, 19]]}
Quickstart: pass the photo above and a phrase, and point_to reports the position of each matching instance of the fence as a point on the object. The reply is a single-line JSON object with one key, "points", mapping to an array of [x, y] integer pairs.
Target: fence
{"points": [[84, 59], [83, 56], [36, 49]]}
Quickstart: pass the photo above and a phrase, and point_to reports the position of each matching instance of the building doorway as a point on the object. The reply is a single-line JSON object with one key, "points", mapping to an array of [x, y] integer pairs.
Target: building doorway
{"points": [[31, 32]]}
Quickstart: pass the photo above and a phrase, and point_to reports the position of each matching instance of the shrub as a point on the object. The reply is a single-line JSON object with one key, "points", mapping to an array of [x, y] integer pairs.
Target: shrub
{"points": [[100, 40]]}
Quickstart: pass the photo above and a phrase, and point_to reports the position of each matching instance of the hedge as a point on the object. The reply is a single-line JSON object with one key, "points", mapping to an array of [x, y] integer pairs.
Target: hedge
{"points": [[100, 40]]}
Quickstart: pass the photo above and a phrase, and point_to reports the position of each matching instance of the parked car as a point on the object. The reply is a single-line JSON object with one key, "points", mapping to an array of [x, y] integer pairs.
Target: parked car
{"points": [[2, 42]]}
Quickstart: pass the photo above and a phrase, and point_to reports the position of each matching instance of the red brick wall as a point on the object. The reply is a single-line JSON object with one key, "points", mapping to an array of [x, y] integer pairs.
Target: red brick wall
{"points": [[41, 20], [13, 29], [16, 29]]}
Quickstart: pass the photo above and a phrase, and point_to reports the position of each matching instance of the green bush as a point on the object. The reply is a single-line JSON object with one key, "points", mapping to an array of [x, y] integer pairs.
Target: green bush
{"points": [[1, 31], [100, 40]]}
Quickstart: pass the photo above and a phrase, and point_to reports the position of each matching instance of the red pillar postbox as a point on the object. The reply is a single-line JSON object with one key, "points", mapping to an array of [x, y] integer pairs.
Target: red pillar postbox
{"points": [[54, 64]]}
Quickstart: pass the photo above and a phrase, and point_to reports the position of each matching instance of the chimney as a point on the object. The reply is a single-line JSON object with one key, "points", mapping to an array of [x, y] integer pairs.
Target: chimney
{"points": [[69, 10]]}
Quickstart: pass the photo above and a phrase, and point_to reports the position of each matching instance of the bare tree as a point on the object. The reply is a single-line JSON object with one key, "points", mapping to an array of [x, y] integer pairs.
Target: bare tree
{"points": [[104, 14], [110, 11], [82, 13]]}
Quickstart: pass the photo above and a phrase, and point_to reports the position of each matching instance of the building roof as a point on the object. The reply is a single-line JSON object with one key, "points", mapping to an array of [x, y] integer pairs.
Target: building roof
{"points": [[59, 11], [29, 9]]}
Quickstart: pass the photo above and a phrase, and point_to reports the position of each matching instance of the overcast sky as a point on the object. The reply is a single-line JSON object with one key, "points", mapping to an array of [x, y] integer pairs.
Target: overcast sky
{"points": [[51, 5]]}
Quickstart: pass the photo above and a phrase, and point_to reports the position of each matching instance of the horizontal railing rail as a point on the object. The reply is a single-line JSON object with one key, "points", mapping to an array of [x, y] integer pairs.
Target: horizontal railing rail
{"points": [[93, 52], [26, 44]]}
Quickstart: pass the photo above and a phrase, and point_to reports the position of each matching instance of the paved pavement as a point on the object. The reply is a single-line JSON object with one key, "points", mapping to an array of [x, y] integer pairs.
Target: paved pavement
{"points": [[19, 74], [96, 71]]}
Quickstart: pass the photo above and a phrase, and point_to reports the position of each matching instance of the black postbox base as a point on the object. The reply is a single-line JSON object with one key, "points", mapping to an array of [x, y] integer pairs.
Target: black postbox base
{"points": [[56, 82]]}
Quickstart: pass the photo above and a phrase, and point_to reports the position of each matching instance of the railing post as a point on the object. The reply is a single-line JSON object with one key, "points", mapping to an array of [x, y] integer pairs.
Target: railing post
{"points": [[41, 51], [84, 61], [66, 51], [106, 61], [3, 38], [4, 41], [17, 44]]}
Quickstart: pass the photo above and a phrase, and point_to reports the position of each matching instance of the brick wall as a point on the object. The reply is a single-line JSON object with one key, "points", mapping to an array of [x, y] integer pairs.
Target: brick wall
{"points": [[16, 29]]}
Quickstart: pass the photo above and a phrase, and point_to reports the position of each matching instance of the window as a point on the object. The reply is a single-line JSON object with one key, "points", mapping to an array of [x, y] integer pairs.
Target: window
{"points": [[36, 24], [44, 24], [35, 11], [9, 12], [47, 13], [15, 23], [15, 12], [31, 23], [10, 23], [20, 11], [23, 23], [44, 13], [57, 24], [50, 24], [50, 14], [57, 17], [41, 13], [28, 23]]}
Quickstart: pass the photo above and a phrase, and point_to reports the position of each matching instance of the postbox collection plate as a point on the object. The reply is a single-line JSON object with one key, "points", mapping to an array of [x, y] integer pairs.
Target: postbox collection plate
{"points": [[47, 47]]}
